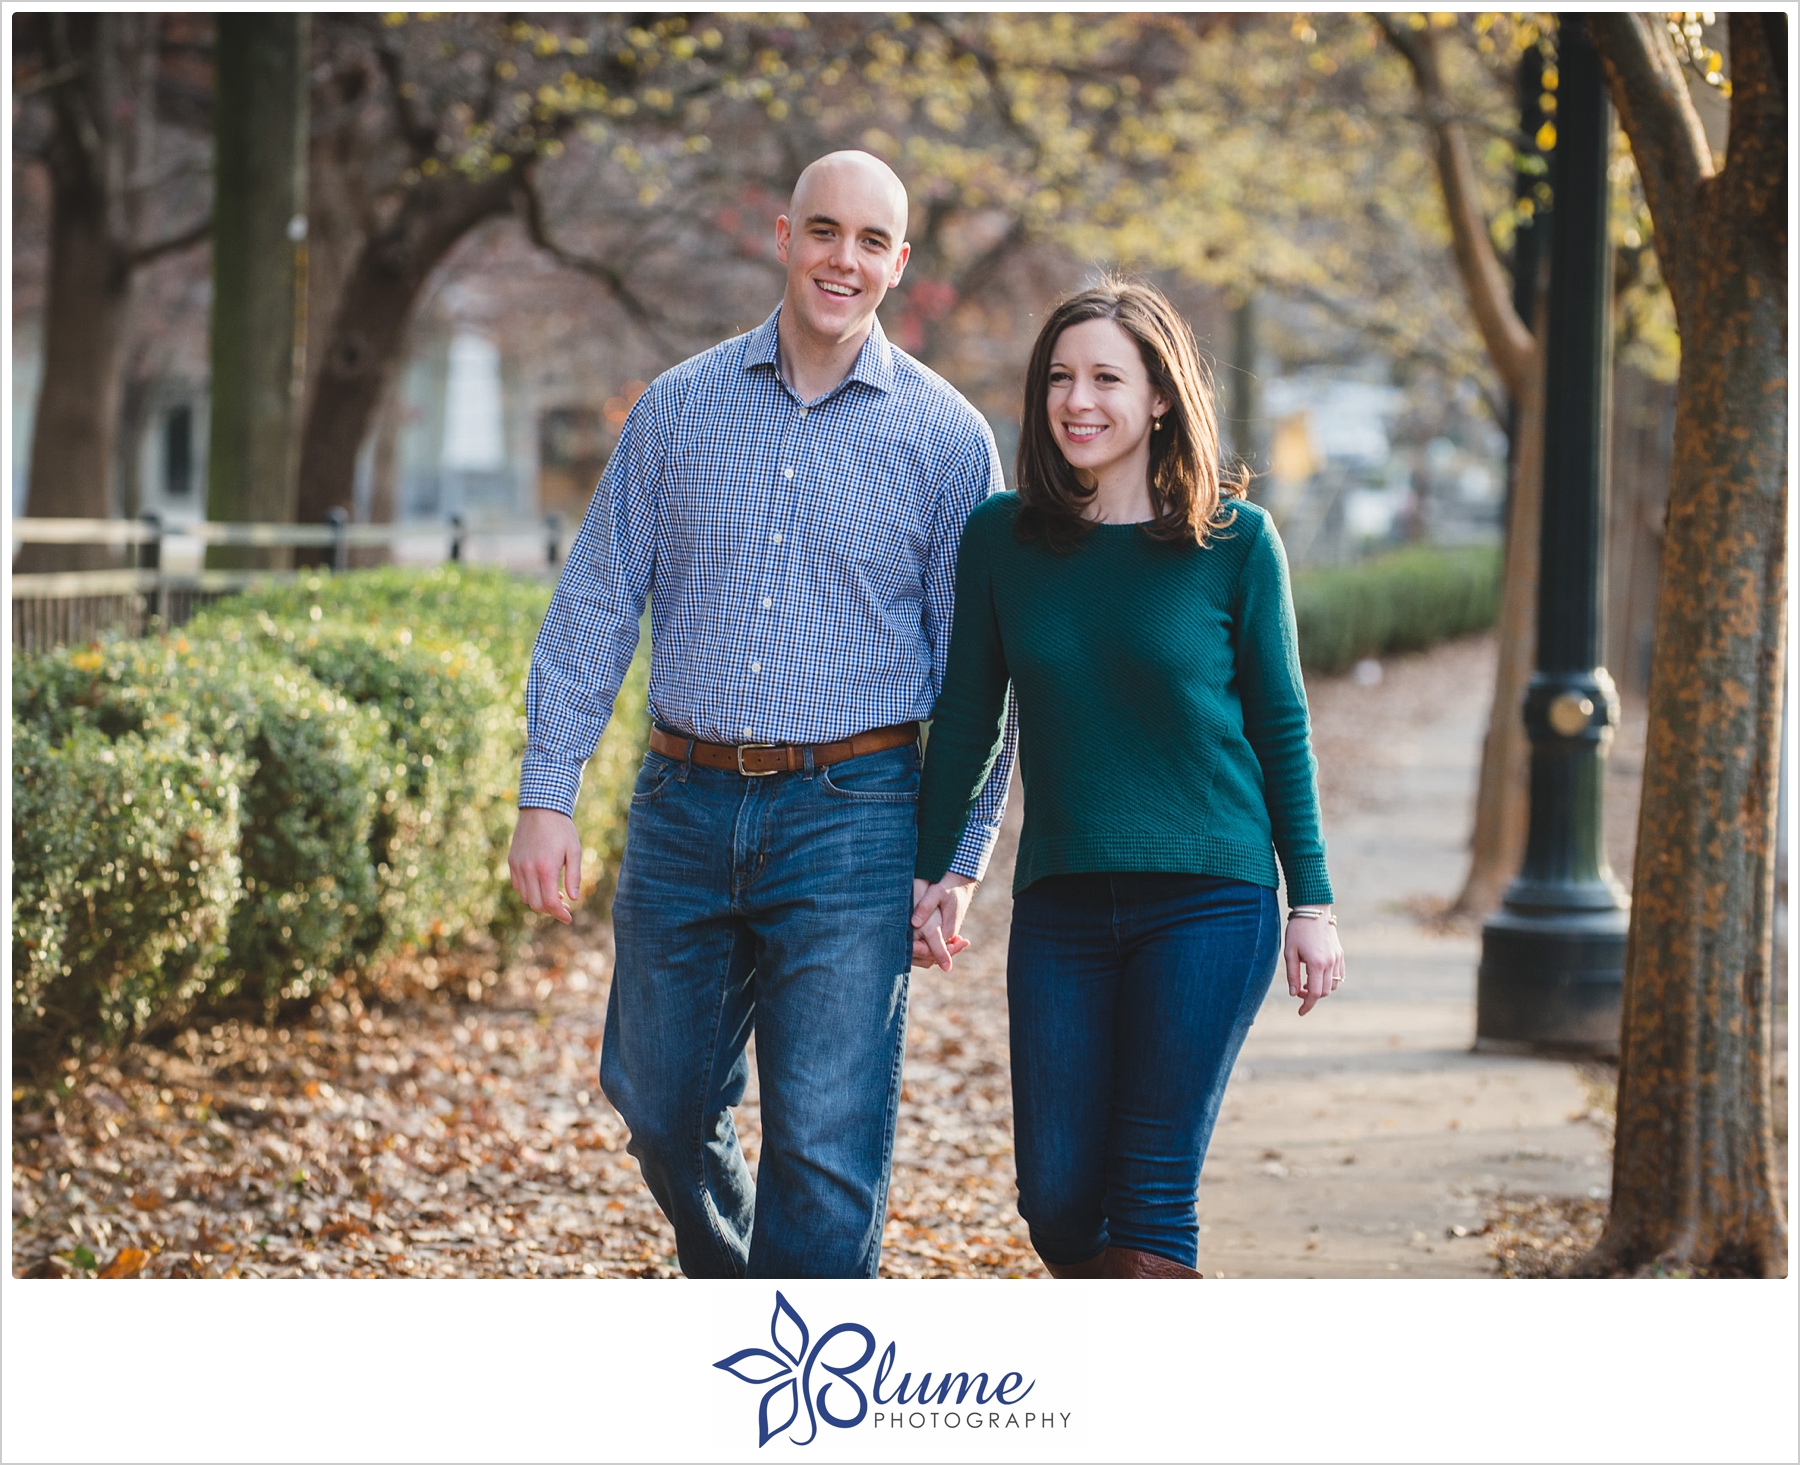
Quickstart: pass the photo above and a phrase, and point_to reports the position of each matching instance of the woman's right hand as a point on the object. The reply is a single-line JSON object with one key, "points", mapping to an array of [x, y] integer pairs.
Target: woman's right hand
{"points": [[1315, 959]]}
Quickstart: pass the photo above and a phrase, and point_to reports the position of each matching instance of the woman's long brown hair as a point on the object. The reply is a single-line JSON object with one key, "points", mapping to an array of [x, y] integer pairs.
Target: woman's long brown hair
{"points": [[1187, 491]]}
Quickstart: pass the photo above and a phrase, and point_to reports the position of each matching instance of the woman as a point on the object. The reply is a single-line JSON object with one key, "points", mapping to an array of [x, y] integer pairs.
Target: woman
{"points": [[1139, 609]]}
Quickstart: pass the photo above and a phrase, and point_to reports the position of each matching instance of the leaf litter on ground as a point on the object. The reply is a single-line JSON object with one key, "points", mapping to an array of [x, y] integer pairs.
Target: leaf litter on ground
{"points": [[431, 1134]]}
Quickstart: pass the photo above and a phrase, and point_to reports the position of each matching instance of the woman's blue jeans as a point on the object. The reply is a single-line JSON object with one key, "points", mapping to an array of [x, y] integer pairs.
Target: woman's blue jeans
{"points": [[780, 905], [1130, 996]]}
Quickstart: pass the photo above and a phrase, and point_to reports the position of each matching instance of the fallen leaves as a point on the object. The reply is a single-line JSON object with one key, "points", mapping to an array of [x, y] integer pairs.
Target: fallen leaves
{"points": [[128, 1263], [1541, 1235], [424, 1136]]}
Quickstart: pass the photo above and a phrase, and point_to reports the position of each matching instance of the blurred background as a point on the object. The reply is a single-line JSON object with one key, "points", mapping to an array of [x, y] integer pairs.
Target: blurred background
{"points": [[500, 228]]}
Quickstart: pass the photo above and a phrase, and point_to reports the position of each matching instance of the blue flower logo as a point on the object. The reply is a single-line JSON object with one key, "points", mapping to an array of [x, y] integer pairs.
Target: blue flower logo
{"points": [[788, 1371]]}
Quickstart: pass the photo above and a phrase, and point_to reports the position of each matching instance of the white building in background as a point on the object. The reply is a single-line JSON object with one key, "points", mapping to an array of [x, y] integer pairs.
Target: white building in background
{"points": [[1340, 485], [1335, 476], [467, 442], [474, 407], [172, 452]]}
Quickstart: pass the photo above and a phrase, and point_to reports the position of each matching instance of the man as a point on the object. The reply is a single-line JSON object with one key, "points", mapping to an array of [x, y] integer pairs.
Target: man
{"points": [[790, 502]]}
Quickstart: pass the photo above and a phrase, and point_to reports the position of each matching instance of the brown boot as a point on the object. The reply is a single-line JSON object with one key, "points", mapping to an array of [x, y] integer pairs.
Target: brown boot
{"points": [[1094, 1266], [1122, 1261]]}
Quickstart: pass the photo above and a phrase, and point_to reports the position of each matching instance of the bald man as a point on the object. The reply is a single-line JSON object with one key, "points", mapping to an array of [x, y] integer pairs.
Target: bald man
{"points": [[790, 504]]}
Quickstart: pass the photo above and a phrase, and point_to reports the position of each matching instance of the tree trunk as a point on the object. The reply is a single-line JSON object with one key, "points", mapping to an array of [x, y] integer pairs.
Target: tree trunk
{"points": [[369, 329], [73, 437], [384, 469], [1693, 1159], [100, 134], [258, 310], [1502, 801], [1246, 394]]}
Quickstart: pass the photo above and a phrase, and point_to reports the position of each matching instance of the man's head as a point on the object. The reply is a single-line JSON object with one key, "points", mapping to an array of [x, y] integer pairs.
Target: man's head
{"points": [[843, 240]]}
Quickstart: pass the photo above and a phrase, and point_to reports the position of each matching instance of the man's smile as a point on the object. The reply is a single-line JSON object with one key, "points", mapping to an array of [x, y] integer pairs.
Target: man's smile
{"points": [[837, 288]]}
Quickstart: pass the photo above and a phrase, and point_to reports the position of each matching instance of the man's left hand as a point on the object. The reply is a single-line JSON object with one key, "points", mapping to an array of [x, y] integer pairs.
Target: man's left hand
{"points": [[937, 918]]}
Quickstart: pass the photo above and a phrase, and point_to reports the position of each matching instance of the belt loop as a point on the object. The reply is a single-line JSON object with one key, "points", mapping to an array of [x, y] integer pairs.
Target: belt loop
{"points": [[687, 766], [807, 753]]}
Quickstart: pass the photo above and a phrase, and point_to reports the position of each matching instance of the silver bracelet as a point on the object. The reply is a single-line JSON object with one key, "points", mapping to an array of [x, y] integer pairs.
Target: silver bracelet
{"points": [[1311, 913]]}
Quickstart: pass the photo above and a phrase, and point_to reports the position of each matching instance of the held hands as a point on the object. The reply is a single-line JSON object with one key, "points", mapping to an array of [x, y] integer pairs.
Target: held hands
{"points": [[546, 853], [1315, 960], [937, 917]]}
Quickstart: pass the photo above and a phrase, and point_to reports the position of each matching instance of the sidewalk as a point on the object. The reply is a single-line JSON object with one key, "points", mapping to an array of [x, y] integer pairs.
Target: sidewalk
{"points": [[1355, 1142]]}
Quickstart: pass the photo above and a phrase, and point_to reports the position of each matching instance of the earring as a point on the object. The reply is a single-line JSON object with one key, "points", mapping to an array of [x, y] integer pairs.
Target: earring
{"points": [[1156, 426]]}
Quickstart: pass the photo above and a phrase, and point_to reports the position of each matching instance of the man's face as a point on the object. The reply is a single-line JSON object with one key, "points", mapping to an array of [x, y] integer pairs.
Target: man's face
{"points": [[844, 247]]}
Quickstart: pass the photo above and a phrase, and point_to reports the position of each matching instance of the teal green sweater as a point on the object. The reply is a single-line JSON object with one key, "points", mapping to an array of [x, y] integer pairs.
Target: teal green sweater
{"points": [[1162, 717]]}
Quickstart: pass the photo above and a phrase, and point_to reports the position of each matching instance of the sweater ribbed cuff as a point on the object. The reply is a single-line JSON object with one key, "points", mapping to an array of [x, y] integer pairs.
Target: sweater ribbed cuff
{"points": [[1307, 881]]}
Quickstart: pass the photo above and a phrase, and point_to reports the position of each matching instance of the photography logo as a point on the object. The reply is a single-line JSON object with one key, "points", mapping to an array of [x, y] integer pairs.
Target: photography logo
{"points": [[806, 1382]]}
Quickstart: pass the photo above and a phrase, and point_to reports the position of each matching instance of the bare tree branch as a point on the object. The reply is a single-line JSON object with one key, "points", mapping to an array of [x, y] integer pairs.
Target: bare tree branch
{"points": [[1404, 347], [186, 239], [420, 135], [531, 211], [1667, 140], [45, 80], [1507, 338]]}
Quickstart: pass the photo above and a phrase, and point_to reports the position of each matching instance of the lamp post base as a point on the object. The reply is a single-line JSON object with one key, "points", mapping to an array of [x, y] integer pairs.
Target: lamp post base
{"points": [[1551, 981]]}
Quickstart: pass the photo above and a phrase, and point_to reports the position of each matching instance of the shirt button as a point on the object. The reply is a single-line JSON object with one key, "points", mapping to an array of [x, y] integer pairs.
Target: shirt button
{"points": [[787, 472], [767, 602], [756, 667], [803, 411], [777, 536], [746, 734]]}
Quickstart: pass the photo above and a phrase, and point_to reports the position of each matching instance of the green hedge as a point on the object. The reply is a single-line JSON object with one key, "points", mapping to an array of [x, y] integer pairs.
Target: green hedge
{"points": [[125, 873], [499, 614], [447, 762], [304, 763], [301, 783], [1401, 601]]}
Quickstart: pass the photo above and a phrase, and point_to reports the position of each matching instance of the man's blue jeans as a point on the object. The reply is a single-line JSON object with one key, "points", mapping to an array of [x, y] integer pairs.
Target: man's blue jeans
{"points": [[1130, 996], [780, 905]]}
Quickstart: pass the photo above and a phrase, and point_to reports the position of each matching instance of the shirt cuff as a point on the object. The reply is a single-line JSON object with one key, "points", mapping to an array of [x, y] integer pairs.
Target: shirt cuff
{"points": [[545, 785], [974, 850]]}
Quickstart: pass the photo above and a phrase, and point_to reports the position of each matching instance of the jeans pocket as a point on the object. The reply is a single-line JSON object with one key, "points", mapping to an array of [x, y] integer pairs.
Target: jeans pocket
{"points": [[889, 777], [656, 774]]}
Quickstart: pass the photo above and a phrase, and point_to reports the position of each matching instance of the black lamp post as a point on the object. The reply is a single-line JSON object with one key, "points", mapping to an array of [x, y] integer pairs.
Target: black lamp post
{"points": [[1553, 956]]}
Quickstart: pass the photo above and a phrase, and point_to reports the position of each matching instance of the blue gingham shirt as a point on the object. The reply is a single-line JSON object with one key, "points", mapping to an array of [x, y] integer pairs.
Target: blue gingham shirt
{"points": [[799, 559]]}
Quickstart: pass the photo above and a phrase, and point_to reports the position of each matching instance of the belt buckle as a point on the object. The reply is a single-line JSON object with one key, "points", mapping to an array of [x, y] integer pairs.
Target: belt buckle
{"points": [[754, 772]]}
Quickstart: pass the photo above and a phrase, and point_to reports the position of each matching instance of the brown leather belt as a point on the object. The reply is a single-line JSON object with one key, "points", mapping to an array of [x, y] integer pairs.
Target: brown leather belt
{"points": [[759, 760]]}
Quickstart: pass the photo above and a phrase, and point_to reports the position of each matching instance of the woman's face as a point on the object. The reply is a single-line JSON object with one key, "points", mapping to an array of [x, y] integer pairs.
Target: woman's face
{"points": [[1101, 401]]}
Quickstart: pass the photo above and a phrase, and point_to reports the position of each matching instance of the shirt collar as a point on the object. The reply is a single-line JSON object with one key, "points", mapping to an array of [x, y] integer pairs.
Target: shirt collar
{"points": [[874, 365]]}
